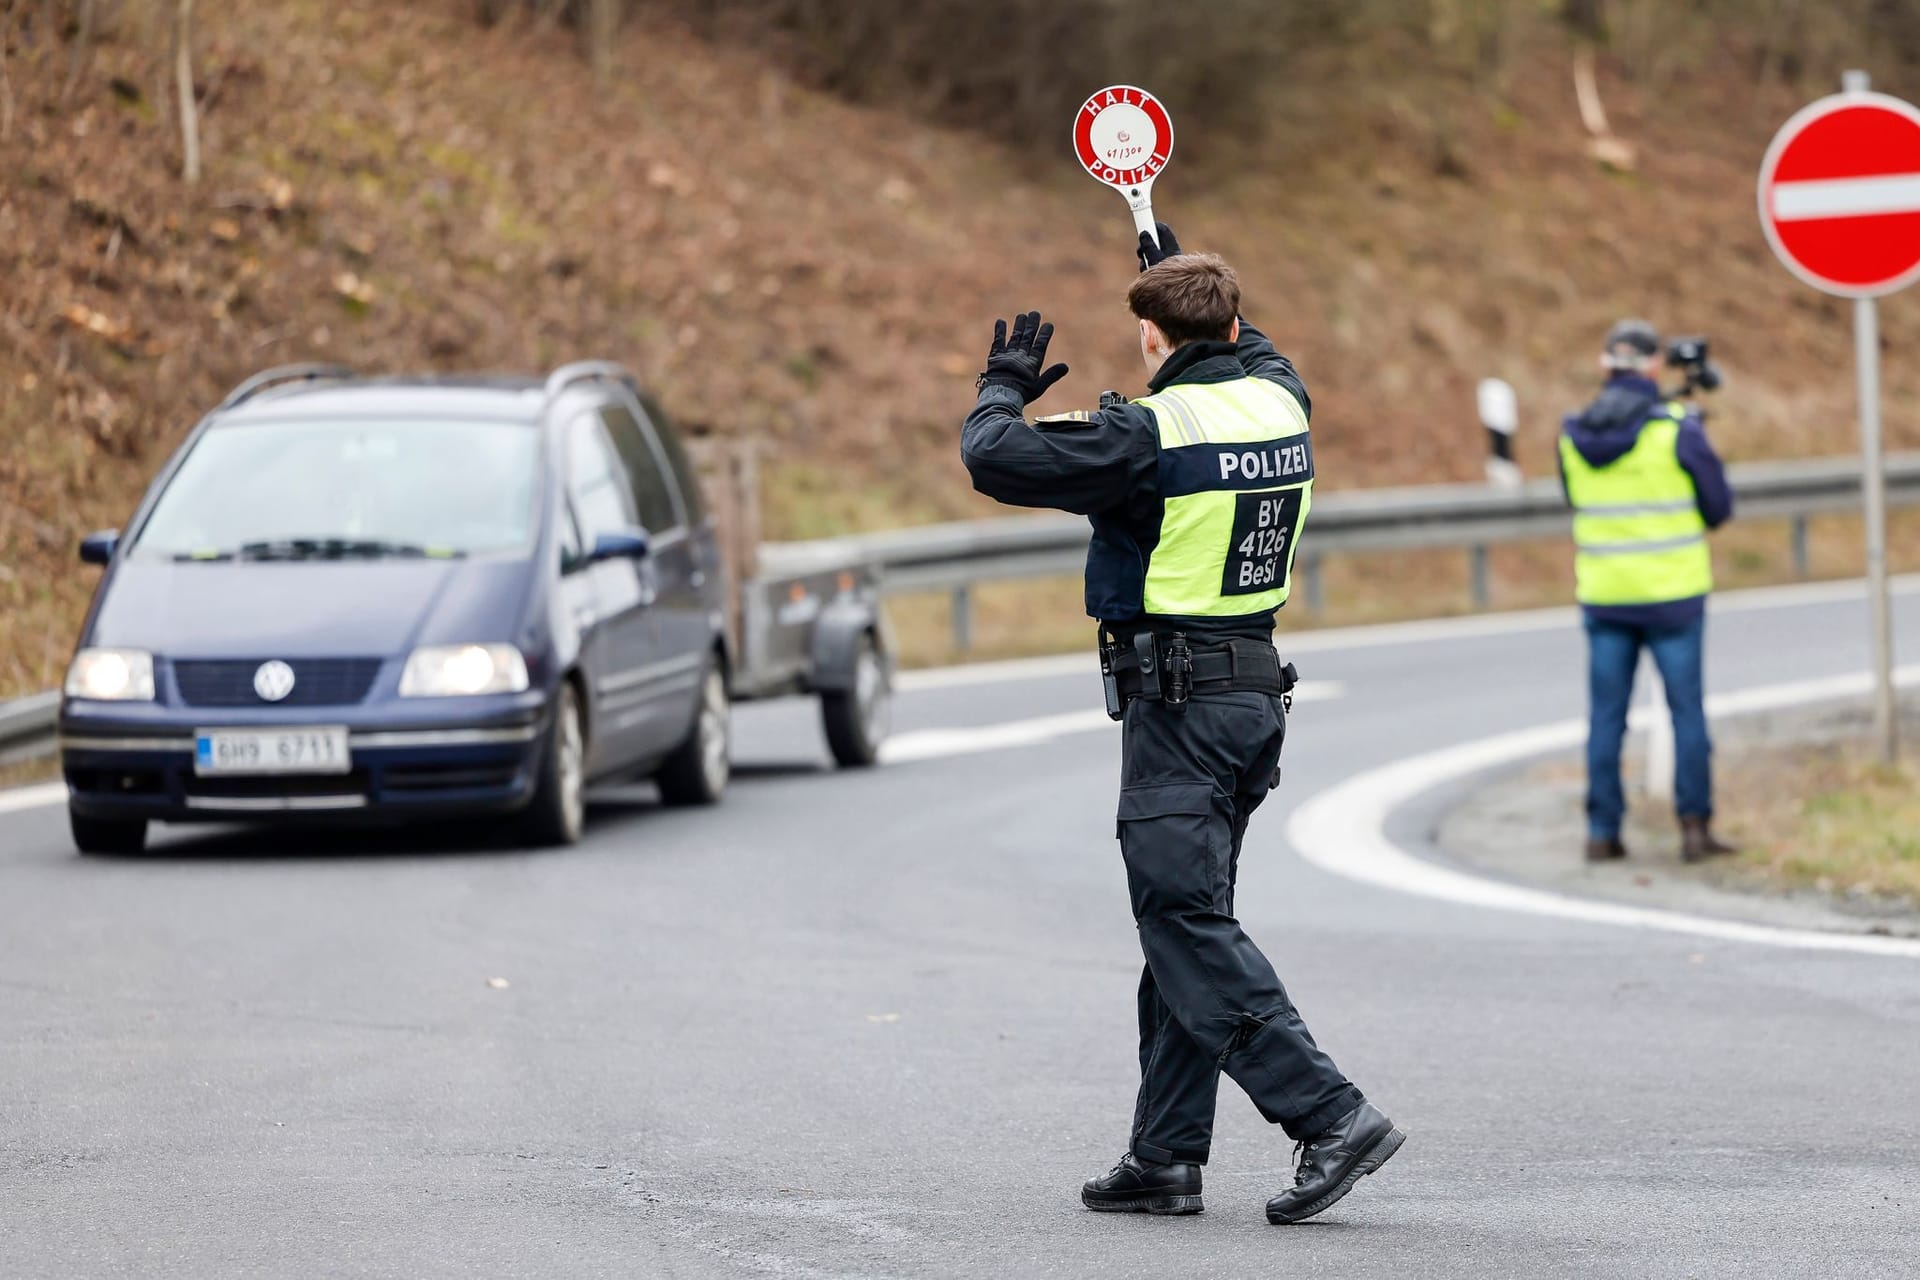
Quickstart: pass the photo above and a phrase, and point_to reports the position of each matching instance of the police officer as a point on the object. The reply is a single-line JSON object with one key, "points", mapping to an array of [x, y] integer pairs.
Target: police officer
{"points": [[1645, 486], [1197, 494]]}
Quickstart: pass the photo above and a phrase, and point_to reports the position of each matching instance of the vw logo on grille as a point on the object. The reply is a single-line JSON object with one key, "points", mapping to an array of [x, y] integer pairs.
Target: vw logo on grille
{"points": [[273, 681]]}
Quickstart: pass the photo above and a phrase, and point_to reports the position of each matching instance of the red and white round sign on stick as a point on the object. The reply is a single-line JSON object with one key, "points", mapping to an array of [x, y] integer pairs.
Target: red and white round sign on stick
{"points": [[1840, 201], [1124, 138], [1840, 194]]}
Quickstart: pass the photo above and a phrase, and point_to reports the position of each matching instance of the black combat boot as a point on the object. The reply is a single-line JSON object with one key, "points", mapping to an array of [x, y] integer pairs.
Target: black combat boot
{"points": [[1137, 1186], [1697, 841], [1357, 1144]]}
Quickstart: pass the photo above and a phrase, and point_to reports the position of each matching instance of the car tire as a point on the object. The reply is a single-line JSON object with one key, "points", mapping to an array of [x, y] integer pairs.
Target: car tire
{"points": [[857, 719], [697, 771], [107, 835], [558, 812]]}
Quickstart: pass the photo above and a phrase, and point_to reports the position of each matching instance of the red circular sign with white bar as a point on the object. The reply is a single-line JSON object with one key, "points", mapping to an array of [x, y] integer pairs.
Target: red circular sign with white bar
{"points": [[1840, 194], [1123, 136]]}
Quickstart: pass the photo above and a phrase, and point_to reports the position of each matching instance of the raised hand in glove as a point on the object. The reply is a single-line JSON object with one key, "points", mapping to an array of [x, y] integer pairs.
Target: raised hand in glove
{"points": [[1152, 254], [1020, 361]]}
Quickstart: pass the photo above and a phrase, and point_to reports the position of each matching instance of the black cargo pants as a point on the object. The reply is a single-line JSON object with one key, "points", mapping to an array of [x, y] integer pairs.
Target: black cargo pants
{"points": [[1209, 1001]]}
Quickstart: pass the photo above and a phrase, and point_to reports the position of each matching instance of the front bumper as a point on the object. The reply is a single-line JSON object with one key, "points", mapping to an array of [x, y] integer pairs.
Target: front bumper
{"points": [[433, 759]]}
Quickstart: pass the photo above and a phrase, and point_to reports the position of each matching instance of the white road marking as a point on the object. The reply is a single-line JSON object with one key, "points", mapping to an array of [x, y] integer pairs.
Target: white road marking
{"points": [[935, 744], [1847, 197], [1343, 829], [35, 797], [974, 673]]}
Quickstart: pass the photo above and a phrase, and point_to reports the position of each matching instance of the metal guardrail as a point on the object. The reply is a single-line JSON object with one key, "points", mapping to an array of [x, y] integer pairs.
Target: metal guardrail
{"points": [[26, 726], [955, 557]]}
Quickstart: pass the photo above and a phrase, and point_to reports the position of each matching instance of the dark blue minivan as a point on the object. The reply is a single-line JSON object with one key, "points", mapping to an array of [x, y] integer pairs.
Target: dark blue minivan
{"points": [[403, 598]]}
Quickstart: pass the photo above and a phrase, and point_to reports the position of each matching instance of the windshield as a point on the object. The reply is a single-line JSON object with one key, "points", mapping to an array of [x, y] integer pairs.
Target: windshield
{"points": [[329, 490]]}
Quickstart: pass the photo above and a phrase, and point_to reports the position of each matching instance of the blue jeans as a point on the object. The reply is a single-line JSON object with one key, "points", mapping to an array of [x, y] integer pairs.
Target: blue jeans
{"points": [[1613, 654]]}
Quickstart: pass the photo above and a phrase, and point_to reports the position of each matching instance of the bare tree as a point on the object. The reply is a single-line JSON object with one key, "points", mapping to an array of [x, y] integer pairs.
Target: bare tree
{"points": [[81, 48], [183, 76], [1586, 17], [6, 84], [603, 20]]}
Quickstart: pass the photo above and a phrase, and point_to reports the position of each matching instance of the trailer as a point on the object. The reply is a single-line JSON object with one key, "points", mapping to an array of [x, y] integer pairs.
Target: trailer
{"points": [[800, 621]]}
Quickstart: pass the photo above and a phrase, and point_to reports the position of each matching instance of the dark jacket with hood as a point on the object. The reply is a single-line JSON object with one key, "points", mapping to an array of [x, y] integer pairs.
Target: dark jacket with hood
{"points": [[1604, 431], [1105, 464]]}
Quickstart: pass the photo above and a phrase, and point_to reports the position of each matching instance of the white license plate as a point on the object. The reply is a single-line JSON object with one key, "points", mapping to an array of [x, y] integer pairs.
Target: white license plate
{"points": [[317, 750]]}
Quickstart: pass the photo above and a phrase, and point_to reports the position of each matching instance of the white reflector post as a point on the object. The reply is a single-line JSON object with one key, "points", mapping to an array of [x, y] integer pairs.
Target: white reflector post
{"points": [[1499, 407]]}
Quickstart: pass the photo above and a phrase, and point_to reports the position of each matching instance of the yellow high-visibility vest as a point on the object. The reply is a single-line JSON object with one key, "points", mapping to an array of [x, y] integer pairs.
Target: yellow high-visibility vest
{"points": [[1236, 483], [1638, 534]]}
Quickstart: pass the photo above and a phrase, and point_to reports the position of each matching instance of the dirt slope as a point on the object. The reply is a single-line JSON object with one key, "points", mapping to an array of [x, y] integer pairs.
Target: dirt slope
{"points": [[393, 187]]}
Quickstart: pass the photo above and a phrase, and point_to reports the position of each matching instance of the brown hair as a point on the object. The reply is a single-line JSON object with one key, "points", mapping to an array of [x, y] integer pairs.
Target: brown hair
{"points": [[1192, 297]]}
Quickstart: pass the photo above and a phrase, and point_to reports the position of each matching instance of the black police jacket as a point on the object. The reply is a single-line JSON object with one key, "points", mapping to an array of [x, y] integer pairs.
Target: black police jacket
{"points": [[1105, 464]]}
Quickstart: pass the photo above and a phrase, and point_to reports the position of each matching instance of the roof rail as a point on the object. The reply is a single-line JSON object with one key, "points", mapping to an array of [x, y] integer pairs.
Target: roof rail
{"points": [[283, 373], [583, 370]]}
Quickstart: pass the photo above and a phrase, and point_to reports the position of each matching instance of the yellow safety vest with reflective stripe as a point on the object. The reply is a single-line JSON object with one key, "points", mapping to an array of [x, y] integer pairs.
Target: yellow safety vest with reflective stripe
{"points": [[1236, 482], [1638, 534]]}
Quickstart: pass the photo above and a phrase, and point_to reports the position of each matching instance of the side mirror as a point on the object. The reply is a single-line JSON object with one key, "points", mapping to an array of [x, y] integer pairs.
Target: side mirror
{"points": [[629, 544], [97, 548]]}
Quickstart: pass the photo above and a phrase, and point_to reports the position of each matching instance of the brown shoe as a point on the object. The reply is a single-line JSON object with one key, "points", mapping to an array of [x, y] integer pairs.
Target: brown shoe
{"points": [[1698, 843], [1605, 850]]}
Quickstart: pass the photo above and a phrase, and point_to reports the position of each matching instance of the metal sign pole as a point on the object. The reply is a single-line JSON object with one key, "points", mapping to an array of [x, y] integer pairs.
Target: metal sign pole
{"points": [[1873, 482], [1873, 478]]}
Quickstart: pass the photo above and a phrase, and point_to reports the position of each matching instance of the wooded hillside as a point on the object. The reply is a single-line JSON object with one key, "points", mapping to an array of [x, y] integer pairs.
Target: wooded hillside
{"points": [[798, 220]]}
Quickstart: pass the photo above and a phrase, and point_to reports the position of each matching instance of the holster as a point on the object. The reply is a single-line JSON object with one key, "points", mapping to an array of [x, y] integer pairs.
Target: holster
{"points": [[1168, 669]]}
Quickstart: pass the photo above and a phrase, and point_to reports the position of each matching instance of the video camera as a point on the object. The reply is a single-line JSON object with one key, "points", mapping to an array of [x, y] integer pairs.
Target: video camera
{"points": [[1689, 356]]}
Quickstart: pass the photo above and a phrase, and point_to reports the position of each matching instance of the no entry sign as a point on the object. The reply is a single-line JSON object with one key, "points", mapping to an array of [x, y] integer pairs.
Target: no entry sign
{"points": [[1840, 194], [1124, 138], [1840, 202]]}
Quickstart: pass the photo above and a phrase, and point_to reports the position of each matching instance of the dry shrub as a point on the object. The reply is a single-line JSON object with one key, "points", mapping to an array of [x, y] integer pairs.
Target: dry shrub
{"points": [[1804, 43], [1016, 68]]}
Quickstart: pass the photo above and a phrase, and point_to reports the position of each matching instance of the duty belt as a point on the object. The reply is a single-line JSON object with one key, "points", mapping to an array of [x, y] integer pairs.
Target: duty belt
{"points": [[1168, 669]]}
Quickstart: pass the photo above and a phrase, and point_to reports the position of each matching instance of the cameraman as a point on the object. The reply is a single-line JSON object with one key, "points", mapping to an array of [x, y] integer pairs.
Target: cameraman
{"points": [[1645, 486]]}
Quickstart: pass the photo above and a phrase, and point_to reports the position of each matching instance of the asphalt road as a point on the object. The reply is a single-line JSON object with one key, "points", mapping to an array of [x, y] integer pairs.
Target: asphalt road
{"points": [[880, 1024]]}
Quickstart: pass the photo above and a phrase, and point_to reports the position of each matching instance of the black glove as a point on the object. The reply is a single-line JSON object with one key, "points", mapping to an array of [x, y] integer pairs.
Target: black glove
{"points": [[1018, 361], [1152, 254]]}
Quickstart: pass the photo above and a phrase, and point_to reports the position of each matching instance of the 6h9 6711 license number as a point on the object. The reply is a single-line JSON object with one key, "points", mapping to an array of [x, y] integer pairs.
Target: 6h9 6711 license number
{"points": [[314, 750]]}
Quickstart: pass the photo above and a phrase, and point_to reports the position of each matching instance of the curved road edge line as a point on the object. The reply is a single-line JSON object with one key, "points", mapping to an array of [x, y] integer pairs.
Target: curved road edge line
{"points": [[1343, 830], [34, 797]]}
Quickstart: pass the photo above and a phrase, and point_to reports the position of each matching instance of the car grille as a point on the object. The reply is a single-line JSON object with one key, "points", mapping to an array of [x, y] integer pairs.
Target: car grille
{"points": [[317, 682], [412, 778]]}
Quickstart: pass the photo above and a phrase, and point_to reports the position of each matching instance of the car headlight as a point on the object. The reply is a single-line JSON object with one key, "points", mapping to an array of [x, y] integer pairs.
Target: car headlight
{"points": [[111, 675], [463, 670]]}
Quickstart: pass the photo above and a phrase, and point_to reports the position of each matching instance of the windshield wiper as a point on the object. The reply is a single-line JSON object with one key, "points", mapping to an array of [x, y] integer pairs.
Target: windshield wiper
{"points": [[338, 549]]}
